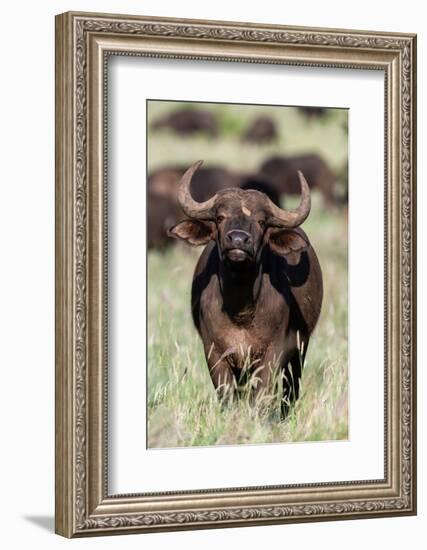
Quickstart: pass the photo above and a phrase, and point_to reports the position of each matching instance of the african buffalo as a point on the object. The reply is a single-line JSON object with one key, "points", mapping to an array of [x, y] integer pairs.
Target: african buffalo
{"points": [[188, 121], [257, 287], [162, 207], [162, 212], [164, 181], [282, 171], [162, 199], [262, 130], [313, 112]]}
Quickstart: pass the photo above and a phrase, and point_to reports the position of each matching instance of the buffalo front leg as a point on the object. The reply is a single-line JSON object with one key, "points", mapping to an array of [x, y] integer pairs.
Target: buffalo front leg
{"points": [[263, 377], [291, 375], [221, 375]]}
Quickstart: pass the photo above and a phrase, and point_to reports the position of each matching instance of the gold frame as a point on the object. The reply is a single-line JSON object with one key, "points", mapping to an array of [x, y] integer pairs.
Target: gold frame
{"points": [[83, 43]]}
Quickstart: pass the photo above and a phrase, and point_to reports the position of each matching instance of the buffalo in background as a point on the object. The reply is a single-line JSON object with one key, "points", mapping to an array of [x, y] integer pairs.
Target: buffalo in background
{"points": [[188, 122], [206, 182], [258, 182], [162, 212], [312, 113], [282, 171], [262, 130]]}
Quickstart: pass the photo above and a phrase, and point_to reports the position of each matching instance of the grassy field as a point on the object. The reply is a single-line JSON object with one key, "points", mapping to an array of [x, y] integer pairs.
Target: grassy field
{"points": [[182, 406]]}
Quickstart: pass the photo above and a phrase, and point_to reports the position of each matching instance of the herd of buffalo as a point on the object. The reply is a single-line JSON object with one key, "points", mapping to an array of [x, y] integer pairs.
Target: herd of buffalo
{"points": [[187, 121]]}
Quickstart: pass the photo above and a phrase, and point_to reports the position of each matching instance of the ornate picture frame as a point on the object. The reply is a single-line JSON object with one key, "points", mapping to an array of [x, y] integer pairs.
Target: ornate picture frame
{"points": [[84, 42]]}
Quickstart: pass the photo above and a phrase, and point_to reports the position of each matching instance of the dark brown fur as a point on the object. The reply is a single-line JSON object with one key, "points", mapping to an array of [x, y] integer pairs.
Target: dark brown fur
{"points": [[262, 130], [282, 172], [188, 121], [313, 112], [261, 306], [162, 212]]}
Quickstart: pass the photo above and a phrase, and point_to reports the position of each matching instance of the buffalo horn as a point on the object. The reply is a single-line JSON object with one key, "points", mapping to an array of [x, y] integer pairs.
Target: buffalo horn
{"points": [[190, 207], [292, 218]]}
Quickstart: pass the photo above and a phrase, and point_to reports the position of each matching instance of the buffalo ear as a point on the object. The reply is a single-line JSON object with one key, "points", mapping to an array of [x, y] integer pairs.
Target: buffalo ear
{"points": [[194, 232], [288, 242]]}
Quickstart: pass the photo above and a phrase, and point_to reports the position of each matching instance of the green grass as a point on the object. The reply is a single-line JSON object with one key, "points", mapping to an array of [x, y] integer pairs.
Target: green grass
{"points": [[183, 409]]}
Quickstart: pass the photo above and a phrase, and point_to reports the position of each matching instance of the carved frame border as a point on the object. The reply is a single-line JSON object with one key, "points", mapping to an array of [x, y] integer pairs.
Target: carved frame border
{"points": [[83, 43]]}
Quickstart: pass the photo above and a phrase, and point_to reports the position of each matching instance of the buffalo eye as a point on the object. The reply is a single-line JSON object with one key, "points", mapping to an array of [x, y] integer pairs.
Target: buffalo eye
{"points": [[220, 219], [261, 223]]}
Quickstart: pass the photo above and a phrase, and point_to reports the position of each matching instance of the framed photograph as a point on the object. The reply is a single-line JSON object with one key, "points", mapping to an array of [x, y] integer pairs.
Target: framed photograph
{"points": [[235, 274]]}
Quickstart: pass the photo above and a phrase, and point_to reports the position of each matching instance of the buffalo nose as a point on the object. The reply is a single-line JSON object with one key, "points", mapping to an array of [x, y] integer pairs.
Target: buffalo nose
{"points": [[238, 238]]}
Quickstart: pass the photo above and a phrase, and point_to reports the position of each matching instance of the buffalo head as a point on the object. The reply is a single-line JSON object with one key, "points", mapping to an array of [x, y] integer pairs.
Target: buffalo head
{"points": [[242, 222]]}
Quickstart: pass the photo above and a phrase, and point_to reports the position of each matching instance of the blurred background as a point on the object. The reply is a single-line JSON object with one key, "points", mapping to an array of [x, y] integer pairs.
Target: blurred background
{"points": [[258, 147]]}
